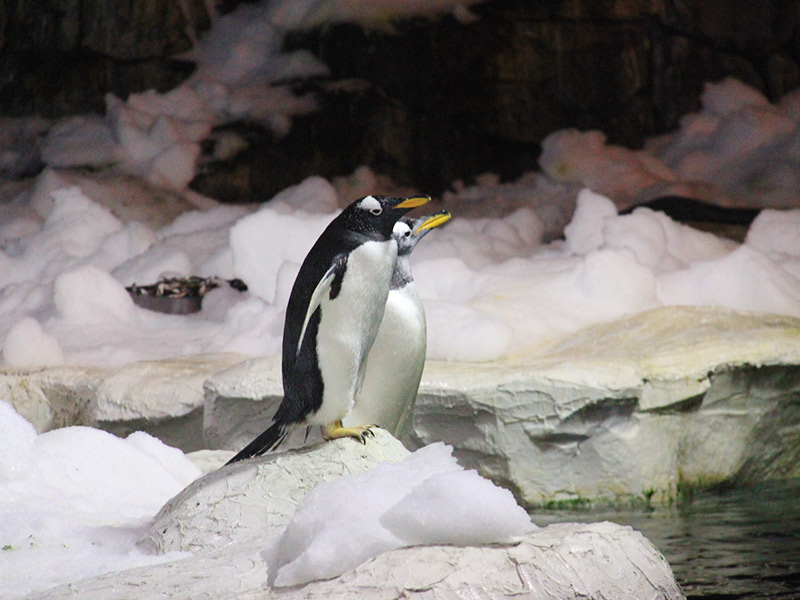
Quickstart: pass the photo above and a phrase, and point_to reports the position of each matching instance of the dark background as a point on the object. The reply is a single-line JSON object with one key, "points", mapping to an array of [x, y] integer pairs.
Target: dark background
{"points": [[437, 100]]}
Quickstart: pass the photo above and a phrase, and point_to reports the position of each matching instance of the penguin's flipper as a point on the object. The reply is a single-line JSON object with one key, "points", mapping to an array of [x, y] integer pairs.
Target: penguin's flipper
{"points": [[325, 286], [336, 430]]}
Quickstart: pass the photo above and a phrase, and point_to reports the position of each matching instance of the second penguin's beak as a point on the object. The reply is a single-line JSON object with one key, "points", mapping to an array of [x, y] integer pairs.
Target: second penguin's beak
{"points": [[434, 221], [414, 202]]}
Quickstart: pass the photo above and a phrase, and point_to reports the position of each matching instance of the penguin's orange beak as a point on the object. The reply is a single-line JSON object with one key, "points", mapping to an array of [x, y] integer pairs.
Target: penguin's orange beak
{"points": [[414, 202]]}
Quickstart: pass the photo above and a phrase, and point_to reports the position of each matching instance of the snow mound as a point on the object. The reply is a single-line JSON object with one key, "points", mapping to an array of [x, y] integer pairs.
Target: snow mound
{"points": [[74, 499], [424, 500]]}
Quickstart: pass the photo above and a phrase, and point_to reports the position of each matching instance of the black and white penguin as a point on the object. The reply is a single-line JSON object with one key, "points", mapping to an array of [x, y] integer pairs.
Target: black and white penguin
{"points": [[396, 360], [334, 312]]}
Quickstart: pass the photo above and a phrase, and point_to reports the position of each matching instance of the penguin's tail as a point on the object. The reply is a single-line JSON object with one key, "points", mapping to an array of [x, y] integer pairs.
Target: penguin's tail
{"points": [[269, 440]]}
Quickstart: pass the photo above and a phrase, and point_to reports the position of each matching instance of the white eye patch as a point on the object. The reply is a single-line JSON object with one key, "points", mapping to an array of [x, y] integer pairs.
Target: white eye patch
{"points": [[401, 229], [371, 204]]}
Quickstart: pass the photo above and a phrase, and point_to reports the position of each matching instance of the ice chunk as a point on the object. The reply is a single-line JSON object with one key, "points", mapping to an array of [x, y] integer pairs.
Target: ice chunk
{"points": [[460, 508], [73, 500], [745, 279], [86, 293], [313, 195], [263, 241], [729, 96], [86, 140]]}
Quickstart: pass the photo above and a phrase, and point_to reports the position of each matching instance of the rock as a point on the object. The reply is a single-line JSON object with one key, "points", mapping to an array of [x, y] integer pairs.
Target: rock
{"points": [[49, 398], [256, 498], [673, 399], [240, 402], [229, 518], [562, 561], [209, 460], [164, 398]]}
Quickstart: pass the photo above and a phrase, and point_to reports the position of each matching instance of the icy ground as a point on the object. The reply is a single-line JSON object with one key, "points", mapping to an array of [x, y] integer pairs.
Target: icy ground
{"points": [[75, 500]]}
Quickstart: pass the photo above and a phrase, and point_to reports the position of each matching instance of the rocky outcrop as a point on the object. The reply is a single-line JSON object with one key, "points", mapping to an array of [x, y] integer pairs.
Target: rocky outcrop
{"points": [[228, 517], [566, 561], [63, 58], [164, 398], [637, 410], [256, 499]]}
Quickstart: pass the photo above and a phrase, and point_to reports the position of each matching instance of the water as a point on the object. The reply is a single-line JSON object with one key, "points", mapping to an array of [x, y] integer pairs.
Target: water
{"points": [[737, 544]]}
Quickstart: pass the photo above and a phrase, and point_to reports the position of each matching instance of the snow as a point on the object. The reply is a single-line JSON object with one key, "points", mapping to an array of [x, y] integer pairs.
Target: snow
{"points": [[426, 499], [774, 232], [738, 150], [75, 500], [27, 346], [376, 14], [491, 286]]}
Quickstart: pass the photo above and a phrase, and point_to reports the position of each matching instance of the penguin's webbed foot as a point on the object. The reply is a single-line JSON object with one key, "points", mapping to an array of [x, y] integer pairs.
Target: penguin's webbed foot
{"points": [[336, 430]]}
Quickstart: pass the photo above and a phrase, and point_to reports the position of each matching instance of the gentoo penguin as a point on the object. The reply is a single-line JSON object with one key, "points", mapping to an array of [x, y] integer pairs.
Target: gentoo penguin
{"points": [[395, 363], [334, 312]]}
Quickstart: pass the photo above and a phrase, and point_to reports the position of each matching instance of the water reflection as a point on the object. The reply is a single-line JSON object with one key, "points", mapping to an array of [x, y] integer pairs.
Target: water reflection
{"points": [[740, 543]]}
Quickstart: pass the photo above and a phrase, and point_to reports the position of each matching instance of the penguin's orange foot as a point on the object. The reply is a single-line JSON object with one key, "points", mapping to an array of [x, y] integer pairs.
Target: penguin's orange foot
{"points": [[336, 430]]}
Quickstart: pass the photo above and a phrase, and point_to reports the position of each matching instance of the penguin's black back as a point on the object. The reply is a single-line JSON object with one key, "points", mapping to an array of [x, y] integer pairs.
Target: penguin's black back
{"points": [[302, 380]]}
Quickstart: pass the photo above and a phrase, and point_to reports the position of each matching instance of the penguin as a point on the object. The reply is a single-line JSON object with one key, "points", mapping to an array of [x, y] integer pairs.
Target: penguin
{"points": [[333, 315], [397, 357]]}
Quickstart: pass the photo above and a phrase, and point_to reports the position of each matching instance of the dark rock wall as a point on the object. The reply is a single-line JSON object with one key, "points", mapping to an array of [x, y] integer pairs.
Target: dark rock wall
{"points": [[60, 57], [434, 102]]}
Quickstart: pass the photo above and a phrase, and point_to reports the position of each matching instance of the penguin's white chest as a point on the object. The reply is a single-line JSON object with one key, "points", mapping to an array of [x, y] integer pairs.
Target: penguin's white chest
{"points": [[394, 367], [348, 326]]}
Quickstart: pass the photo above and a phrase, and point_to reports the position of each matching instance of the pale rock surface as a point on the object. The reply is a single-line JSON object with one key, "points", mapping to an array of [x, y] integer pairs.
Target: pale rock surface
{"points": [[240, 402], [566, 561], [256, 498], [632, 410], [228, 518], [164, 398]]}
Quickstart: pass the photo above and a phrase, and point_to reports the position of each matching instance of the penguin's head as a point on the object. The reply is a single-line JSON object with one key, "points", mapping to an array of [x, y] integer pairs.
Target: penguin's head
{"points": [[375, 216], [409, 231]]}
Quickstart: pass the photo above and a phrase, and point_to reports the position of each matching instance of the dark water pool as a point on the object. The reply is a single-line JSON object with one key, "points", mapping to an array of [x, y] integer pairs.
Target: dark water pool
{"points": [[736, 544]]}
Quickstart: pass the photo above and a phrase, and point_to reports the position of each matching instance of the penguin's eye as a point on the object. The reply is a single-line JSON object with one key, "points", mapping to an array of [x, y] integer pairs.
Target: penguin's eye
{"points": [[407, 234], [376, 211]]}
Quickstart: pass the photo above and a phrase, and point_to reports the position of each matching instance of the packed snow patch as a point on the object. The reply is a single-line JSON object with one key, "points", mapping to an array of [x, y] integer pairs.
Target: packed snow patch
{"points": [[74, 501], [426, 499]]}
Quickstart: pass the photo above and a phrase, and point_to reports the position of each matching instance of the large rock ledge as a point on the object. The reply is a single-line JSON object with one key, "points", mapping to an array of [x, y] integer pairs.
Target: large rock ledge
{"points": [[633, 410], [164, 398], [567, 561], [227, 517], [640, 409]]}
